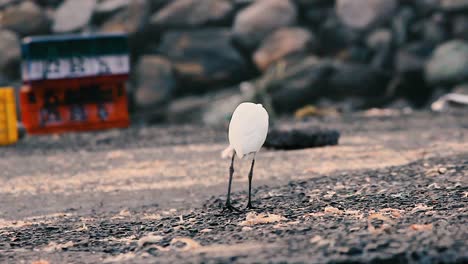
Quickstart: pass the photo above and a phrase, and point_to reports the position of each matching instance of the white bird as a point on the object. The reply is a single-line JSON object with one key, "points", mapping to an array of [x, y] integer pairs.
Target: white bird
{"points": [[247, 133]]}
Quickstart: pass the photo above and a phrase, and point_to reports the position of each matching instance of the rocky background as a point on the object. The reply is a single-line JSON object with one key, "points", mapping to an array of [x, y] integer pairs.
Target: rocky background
{"points": [[195, 60]]}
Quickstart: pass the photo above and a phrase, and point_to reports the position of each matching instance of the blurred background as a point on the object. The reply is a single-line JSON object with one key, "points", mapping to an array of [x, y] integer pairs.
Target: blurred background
{"points": [[193, 61]]}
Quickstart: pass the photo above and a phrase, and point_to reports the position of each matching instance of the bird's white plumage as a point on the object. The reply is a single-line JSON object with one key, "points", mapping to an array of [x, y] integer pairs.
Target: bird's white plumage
{"points": [[248, 128]]}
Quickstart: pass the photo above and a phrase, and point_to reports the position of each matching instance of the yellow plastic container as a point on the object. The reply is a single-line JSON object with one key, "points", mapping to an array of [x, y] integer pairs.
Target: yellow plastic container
{"points": [[8, 128]]}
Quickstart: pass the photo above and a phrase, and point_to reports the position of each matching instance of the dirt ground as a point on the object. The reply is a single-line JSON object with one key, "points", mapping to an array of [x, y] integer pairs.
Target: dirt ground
{"points": [[394, 190]]}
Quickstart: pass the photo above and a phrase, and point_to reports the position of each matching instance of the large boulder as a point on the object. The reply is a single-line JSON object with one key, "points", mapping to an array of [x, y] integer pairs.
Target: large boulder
{"points": [[412, 57], [108, 7], [155, 82], [213, 109], [354, 79], [454, 5], [281, 43], [203, 59], [192, 13], [363, 14], [258, 20], [334, 37], [129, 18], [25, 18], [72, 15], [9, 53], [295, 82], [460, 27], [448, 63]]}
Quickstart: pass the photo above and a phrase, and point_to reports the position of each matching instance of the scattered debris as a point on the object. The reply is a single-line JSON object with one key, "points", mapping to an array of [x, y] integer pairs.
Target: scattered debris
{"points": [[456, 99], [53, 246], [332, 210], [253, 218], [395, 213], [122, 214], [442, 170], [384, 227], [151, 217], [84, 227], [40, 262], [149, 239], [320, 241], [424, 227], [378, 112], [120, 258], [421, 208], [187, 244], [436, 171], [310, 110], [246, 229]]}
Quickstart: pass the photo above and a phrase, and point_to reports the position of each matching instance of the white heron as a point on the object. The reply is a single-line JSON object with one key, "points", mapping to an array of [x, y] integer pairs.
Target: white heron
{"points": [[247, 133]]}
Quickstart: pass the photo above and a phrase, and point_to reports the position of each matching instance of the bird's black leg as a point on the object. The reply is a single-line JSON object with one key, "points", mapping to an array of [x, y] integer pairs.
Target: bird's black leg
{"points": [[228, 205], [249, 204]]}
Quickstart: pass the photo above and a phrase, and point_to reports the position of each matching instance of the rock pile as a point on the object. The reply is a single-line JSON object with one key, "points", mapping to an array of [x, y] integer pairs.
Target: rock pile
{"points": [[190, 55]]}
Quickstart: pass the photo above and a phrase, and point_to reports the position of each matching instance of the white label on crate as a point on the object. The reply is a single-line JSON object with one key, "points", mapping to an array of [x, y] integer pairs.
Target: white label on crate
{"points": [[75, 67]]}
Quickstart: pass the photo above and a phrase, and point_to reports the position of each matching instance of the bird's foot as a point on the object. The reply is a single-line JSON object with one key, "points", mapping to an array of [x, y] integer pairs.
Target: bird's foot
{"points": [[250, 206], [230, 208]]}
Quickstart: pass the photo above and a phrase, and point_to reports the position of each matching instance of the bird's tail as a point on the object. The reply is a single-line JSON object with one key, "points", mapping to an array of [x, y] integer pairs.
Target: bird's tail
{"points": [[228, 152]]}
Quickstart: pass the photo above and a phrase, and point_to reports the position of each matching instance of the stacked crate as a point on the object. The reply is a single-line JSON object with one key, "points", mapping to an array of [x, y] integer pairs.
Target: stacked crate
{"points": [[8, 128], [74, 83]]}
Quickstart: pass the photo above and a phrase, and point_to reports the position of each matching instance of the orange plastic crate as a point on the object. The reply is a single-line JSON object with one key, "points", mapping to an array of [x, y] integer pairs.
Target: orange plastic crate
{"points": [[8, 126]]}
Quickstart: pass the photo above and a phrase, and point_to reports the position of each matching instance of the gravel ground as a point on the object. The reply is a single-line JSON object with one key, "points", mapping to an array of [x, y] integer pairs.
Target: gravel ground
{"points": [[356, 202], [411, 213]]}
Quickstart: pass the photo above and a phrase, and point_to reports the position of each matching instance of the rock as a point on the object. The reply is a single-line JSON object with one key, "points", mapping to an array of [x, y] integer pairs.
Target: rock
{"points": [[460, 27], [401, 24], [72, 15], [5, 3], [412, 57], [281, 43], [155, 5], [424, 7], [203, 58], [48, 3], [213, 109], [155, 82], [107, 7], [192, 13], [26, 18], [130, 19], [454, 5], [433, 29], [220, 108], [461, 89], [295, 82], [187, 110], [9, 53], [315, 16], [310, 4], [255, 22], [448, 63], [362, 14], [380, 41], [334, 37], [379, 38], [353, 79]]}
